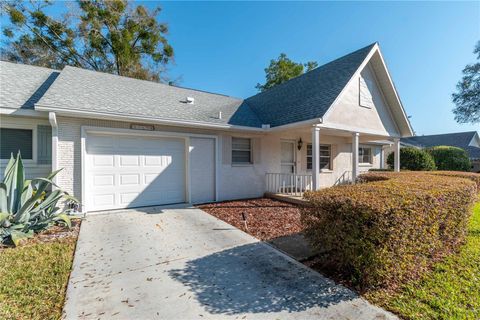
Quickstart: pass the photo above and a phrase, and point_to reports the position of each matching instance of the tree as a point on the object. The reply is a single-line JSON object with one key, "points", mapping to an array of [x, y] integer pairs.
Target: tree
{"points": [[283, 69], [103, 35], [467, 97]]}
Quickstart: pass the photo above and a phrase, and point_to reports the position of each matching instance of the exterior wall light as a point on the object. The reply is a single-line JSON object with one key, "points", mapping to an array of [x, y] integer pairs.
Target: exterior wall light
{"points": [[299, 144]]}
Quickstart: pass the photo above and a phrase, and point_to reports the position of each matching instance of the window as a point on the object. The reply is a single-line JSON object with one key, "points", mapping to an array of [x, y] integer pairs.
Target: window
{"points": [[14, 140], [241, 150], [325, 156], [365, 155]]}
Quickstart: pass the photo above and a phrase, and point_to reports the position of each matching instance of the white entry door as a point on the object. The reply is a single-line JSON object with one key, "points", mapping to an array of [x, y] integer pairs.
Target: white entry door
{"points": [[133, 171], [288, 157], [202, 170]]}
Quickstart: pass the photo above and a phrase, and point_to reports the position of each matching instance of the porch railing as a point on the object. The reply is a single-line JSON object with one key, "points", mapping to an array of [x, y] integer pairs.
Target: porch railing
{"points": [[345, 178], [288, 183]]}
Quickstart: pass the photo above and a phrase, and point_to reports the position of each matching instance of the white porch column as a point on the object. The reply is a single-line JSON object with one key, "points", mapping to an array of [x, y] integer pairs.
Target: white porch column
{"points": [[354, 156], [396, 160], [315, 158]]}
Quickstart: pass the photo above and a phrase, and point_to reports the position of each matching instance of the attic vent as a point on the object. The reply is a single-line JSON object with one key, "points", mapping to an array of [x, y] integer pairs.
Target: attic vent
{"points": [[190, 100]]}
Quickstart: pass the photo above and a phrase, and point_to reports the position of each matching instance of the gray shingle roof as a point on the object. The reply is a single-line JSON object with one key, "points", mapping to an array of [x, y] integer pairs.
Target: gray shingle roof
{"points": [[101, 92], [307, 96], [473, 152], [458, 139], [21, 86], [303, 98]]}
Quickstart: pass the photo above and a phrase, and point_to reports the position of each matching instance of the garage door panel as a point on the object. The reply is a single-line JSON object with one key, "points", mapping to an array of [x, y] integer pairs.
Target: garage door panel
{"points": [[103, 161], [129, 179], [102, 180], [126, 161], [134, 172], [104, 200]]}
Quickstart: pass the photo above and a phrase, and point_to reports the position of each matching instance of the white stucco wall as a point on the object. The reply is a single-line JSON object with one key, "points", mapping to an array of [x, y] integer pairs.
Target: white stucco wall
{"points": [[348, 113], [234, 181], [32, 168]]}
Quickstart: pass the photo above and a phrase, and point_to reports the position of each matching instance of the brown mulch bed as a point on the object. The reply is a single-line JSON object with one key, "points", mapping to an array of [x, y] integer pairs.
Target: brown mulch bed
{"points": [[55, 233], [267, 219]]}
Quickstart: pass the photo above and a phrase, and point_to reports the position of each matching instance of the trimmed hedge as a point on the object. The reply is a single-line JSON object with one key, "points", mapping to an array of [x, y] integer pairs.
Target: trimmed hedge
{"points": [[389, 230], [413, 159], [450, 158]]}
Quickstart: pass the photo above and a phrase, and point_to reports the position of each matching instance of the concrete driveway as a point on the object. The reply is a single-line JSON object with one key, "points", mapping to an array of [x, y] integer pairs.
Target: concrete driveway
{"points": [[181, 263]]}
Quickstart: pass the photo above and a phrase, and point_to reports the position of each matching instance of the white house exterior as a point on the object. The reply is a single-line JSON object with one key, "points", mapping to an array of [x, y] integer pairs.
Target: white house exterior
{"points": [[125, 143]]}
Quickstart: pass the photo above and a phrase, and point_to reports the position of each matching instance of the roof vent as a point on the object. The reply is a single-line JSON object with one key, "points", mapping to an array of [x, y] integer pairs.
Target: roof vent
{"points": [[219, 114], [190, 100]]}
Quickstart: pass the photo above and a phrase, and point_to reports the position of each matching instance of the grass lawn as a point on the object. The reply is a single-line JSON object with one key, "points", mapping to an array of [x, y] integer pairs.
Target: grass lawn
{"points": [[450, 291], [33, 279]]}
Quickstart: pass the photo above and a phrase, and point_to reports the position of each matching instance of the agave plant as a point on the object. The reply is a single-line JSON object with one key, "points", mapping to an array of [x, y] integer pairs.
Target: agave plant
{"points": [[28, 206]]}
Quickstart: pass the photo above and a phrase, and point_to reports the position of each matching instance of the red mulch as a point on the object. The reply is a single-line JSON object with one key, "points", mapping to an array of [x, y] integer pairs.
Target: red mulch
{"points": [[266, 218]]}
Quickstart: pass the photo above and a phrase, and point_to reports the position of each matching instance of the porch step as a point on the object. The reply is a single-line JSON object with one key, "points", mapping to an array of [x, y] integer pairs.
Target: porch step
{"points": [[287, 198]]}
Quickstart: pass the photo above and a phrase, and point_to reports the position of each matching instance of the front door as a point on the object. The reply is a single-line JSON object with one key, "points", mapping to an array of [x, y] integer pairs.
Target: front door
{"points": [[288, 157]]}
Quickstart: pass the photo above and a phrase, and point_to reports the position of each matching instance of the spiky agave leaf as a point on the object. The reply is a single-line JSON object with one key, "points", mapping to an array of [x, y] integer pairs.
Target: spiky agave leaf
{"points": [[28, 206]]}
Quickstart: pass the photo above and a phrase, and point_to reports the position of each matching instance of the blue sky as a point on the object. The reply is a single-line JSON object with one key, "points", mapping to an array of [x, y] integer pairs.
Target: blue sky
{"points": [[224, 46]]}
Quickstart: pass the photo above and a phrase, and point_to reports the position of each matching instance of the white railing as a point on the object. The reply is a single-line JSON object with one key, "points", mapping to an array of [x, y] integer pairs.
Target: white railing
{"points": [[345, 178], [288, 183]]}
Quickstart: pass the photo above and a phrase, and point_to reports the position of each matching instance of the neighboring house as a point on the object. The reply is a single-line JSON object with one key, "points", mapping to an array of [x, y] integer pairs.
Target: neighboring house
{"points": [[469, 141], [124, 142]]}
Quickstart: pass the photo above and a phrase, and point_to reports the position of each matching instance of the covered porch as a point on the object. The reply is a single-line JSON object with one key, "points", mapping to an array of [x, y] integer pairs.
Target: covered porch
{"points": [[318, 156]]}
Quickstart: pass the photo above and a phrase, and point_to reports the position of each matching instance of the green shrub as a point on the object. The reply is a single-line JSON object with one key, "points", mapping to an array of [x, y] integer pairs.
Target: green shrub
{"points": [[413, 159], [389, 230], [450, 158]]}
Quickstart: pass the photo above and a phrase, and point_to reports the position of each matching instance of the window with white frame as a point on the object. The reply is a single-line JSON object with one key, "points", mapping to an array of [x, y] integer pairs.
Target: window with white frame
{"points": [[241, 150], [14, 140], [365, 155], [325, 156]]}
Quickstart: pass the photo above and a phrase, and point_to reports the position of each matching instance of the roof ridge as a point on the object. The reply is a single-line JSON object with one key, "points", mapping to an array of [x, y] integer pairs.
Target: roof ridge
{"points": [[29, 65], [442, 134]]}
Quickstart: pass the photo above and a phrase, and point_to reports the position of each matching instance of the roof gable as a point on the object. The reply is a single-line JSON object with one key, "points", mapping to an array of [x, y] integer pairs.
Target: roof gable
{"points": [[362, 107], [309, 95]]}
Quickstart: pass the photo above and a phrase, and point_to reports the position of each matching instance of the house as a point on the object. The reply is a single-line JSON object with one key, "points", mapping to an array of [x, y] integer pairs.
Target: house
{"points": [[469, 141], [125, 142]]}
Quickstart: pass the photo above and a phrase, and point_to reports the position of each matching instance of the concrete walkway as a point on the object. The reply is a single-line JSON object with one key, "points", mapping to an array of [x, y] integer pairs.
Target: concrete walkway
{"points": [[181, 263]]}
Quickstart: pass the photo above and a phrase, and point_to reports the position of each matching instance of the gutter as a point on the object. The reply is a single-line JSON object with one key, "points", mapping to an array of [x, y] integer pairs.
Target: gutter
{"points": [[52, 118], [149, 119]]}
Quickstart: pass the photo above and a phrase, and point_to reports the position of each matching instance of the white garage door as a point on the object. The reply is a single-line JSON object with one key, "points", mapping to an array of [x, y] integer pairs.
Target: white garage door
{"points": [[129, 171]]}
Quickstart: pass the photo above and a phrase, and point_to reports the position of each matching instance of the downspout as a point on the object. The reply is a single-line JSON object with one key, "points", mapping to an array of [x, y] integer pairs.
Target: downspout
{"points": [[52, 118]]}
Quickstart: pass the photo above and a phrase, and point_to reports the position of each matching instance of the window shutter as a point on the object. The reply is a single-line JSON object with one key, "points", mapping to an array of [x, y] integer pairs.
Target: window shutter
{"points": [[256, 149], [227, 149], [44, 144]]}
